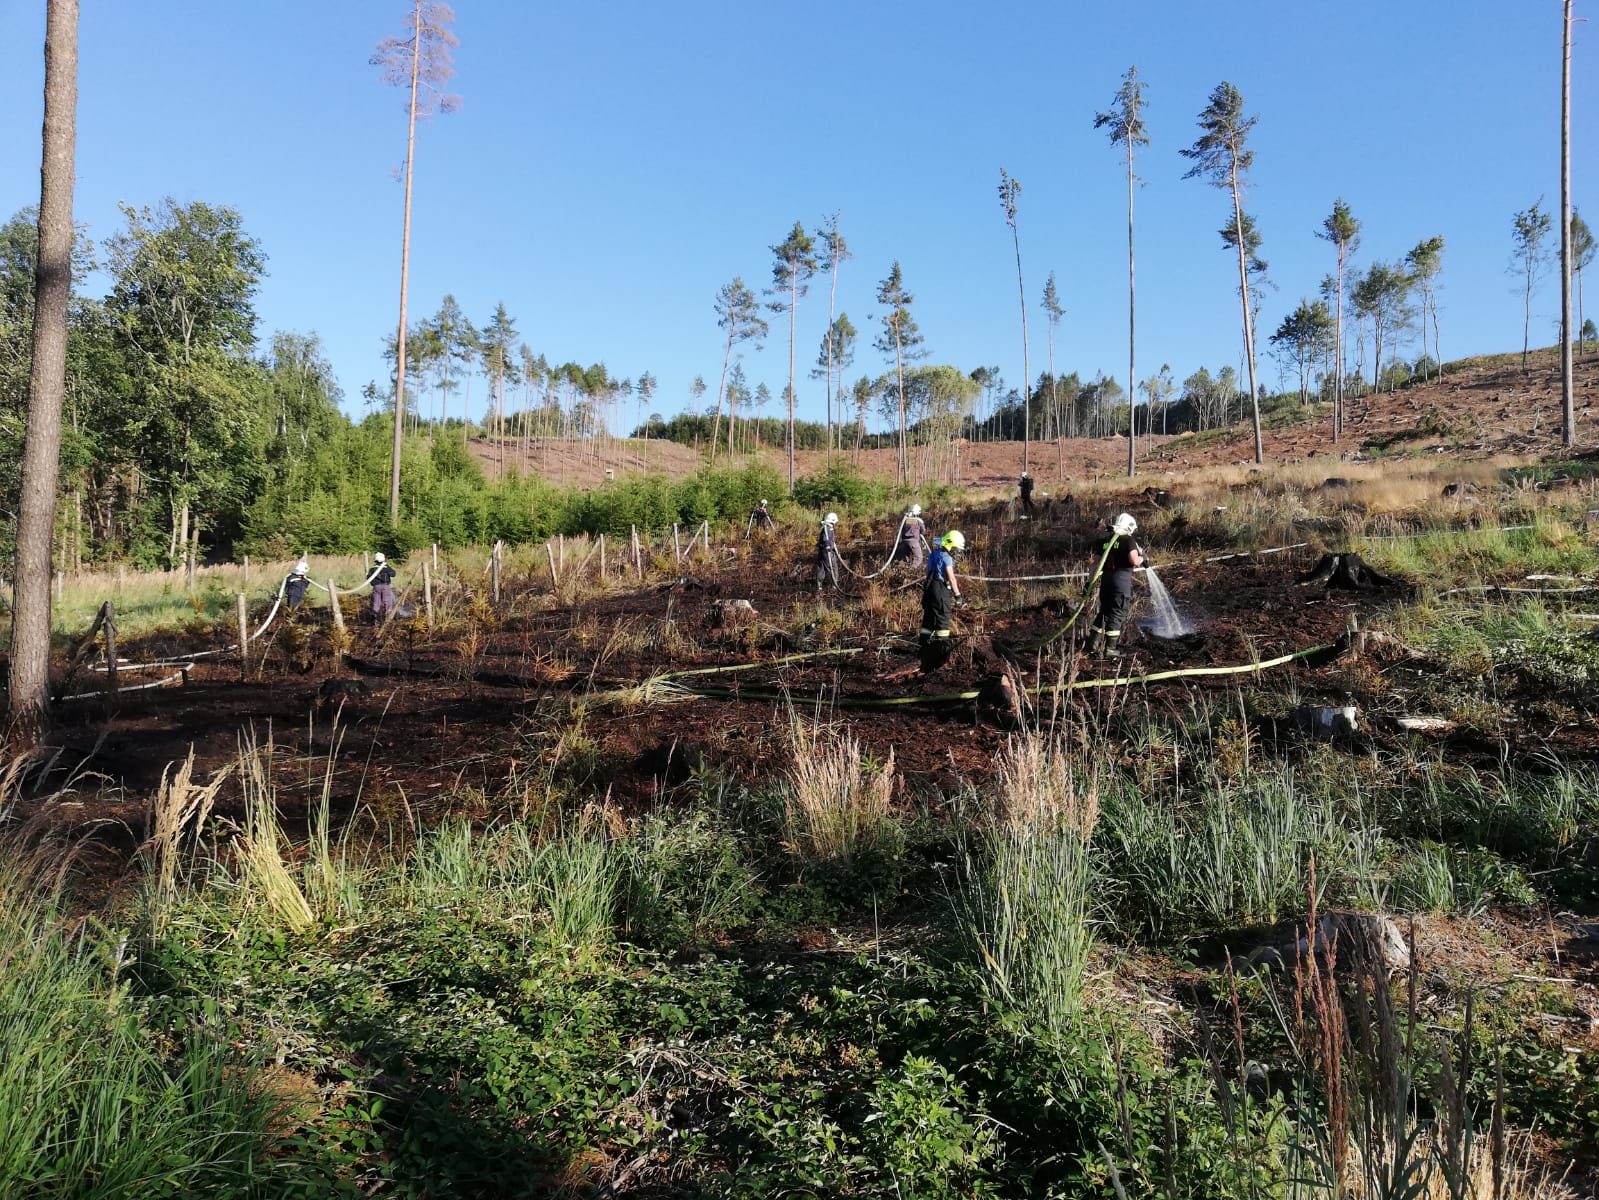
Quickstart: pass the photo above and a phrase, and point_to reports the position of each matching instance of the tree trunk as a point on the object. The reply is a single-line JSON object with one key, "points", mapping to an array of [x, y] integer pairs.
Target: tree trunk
{"points": [[1249, 324], [904, 435], [793, 304], [29, 689], [721, 390], [1568, 408], [1027, 383], [1132, 377], [1338, 366], [405, 274]]}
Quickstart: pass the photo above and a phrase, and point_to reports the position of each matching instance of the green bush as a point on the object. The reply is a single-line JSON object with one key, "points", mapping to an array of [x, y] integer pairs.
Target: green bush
{"points": [[838, 485]]}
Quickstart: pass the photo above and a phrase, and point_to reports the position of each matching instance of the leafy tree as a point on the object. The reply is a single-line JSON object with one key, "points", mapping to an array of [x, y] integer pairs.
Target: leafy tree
{"points": [[834, 251], [1125, 123], [791, 272], [1221, 156], [27, 696], [1382, 296], [738, 312], [458, 339], [1009, 190], [834, 356], [1303, 338], [1343, 231], [1530, 261], [900, 337], [1582, 250], [1424, 263], [422, 60]]}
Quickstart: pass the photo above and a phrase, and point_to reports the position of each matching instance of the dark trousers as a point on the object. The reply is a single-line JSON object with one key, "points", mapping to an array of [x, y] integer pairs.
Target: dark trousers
{"points": [[1115, 603], [382, 600], [294, 592], [827, 570]]}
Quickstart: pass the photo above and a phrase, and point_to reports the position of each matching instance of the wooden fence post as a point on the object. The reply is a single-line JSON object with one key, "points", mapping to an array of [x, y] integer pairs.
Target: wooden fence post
{"points": [[602, 556], [244, 637], [560, 542], [435, 558], [555, 576], [333, 599], [247, 572], [677, 546], [494, 570], [110, 631], [638, 559], [427, 592]]}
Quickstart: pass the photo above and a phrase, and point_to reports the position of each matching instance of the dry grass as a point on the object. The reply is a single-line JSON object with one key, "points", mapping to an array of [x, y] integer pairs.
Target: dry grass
{"points": [[837, 802], [1038, 787]]}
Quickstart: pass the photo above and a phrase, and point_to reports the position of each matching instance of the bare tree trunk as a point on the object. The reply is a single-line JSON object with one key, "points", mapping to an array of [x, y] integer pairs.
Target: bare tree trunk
{"points": [[1027, 381], [793, 305], [405, 273], [29, 689], [721, 390], [1132, 378], [1249, 324], [1568, 409]]}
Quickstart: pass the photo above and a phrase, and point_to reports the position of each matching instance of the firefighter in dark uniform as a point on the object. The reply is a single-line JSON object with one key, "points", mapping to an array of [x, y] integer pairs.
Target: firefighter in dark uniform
{"points": [[1025, 487], [294, 586], [1121, 555], [827, 553], [940, 590]]}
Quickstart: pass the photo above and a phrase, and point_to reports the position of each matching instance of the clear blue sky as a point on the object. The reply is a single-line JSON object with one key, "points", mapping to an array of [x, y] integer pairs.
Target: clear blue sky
{"points": [[614, 163]]}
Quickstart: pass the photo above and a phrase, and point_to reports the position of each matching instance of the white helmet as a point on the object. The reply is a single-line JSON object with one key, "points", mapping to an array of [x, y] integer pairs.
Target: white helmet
{"points": [[763, 504], [953, 540], [378, 557], [830, 519], [916, 510], [302, 567], [1124, 525]]}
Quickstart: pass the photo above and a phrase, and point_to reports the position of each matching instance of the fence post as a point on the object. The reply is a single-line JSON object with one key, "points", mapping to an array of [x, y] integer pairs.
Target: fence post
{"points": [[366, 562], [247, 572], [555, 577], [560, 542], [677, 546], [244, 638], [110, 630], [435, 558], [427, 592], [705, 538], [638, 559], [333, 599], [494, 570], [602, 556]]}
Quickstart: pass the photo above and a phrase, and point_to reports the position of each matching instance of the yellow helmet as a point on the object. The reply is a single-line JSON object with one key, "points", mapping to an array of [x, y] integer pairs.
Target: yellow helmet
{"points": [[953, 540]]}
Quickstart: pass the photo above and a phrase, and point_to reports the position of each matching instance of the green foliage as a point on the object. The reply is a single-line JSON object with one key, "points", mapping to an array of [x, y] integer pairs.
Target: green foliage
{"points": [[839, 485]]}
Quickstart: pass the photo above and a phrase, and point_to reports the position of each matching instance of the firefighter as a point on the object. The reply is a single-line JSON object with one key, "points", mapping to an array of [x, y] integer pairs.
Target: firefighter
{"points": [[913, 532], [382, 587], [827, 553], [1025, 488], [1121, 555], [761, 518], [294, 586], [940, 590]]}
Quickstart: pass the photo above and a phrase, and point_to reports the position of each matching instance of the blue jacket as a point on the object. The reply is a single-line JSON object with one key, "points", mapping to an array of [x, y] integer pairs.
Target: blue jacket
{"points": [[936, 562]]}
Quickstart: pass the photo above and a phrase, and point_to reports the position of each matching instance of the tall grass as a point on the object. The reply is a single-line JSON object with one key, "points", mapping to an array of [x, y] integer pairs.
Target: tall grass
{"points": [[1022, 895], [94, 1104], [838, 804]]}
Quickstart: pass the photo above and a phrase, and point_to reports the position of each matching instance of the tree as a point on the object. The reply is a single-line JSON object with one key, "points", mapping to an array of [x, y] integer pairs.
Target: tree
{"points": [[498, 349], [738, 312], [1126, 125], [1530, 260], [899, 337], [835, 356], [1381, 296], [1424, 263], [28, 693], [1343, 231], [1582, 250], [834, 251], [1568, 402], [1053, 312], [1009, 190], [791, 272], [1220, 156], [422, 60], [1303, 338]]}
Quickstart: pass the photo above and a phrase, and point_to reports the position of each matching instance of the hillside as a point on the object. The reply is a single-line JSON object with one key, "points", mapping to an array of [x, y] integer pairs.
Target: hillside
{"points": [[1480, 408]]}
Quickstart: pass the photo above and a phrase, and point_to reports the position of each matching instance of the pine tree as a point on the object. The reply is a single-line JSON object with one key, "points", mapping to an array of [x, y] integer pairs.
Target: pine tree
{"points": [[1221, 156], [423, 61], [739, 313], [1343, 231], [900, 336], [1009, 190], [1528, 231], [1126, 125], [791, 273]]}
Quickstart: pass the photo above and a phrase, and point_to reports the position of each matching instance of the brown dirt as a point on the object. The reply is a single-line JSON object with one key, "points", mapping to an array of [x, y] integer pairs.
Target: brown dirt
{"points": [[1478, 410]]}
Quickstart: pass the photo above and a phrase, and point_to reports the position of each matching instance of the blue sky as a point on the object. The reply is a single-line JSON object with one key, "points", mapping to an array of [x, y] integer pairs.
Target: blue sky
{"points": [[613, 164]]}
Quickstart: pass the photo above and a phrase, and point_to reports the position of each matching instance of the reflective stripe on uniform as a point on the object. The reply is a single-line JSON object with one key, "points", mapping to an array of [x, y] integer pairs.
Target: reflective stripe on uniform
{"points": [[925, 632]]}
